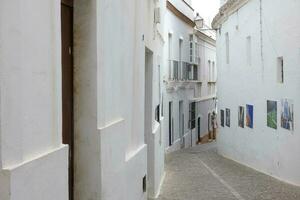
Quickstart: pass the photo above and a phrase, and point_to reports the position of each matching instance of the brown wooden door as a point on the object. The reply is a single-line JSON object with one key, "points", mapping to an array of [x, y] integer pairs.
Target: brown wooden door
{"points": [[67, 85]]}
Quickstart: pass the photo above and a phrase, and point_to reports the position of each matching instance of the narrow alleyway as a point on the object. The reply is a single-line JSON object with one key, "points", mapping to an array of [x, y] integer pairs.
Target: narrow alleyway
{"points": [[200, 173]]}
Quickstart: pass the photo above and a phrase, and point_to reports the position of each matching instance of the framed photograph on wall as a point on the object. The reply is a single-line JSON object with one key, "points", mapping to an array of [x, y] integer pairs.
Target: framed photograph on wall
{"points": [[241, 116], [272, 114], [222, 118], [287, 114], [227, 117], [249, 116]]}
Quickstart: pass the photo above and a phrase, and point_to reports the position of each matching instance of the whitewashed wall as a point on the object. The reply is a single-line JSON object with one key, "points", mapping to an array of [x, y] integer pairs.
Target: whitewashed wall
{"points": [[204, 102], [33, 162], [207, 101], [109, 130], [178, 29], [111, 155], [275, 152], [155, 42]]}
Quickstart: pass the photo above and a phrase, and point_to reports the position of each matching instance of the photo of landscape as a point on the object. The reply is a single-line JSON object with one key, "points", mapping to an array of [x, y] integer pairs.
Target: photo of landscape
{"points": [[227, 117], [272, 114], [241, 116], [222, 118], [249, 116], [287, 114]]}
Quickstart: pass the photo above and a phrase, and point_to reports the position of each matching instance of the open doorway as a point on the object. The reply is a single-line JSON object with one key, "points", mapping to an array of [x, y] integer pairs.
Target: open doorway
{"points": [[181, 123], [199, 130], [171, 124], [67, 85]]}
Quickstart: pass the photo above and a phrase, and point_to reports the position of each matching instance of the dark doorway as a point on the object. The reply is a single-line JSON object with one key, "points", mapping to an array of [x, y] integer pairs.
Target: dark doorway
{"points": [[171, 123], [181, 123], [67, 84], [199, 129]]}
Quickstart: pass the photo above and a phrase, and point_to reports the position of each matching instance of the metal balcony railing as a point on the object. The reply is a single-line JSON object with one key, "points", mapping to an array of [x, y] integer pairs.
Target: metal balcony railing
{"points": [[182, 71]]}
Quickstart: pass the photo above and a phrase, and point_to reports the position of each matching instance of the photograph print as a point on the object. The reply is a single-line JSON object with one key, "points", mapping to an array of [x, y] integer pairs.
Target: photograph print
{"points": [[249, 116], [222, 118], [227, 117], [241, 116], [272, 114], [287, 114]]}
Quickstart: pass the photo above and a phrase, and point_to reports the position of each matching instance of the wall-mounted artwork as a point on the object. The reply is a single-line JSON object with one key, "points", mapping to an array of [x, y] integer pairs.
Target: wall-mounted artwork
{"points": [[227, 117], [249, 116], [241, 116], [287, 114], [222, 118], [272, 114]]}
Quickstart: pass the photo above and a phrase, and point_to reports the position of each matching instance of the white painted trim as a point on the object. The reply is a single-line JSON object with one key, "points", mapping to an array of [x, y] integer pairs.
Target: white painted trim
{"points": [[132, 154], [160, 185], [203, 98], [34, 158], [258, 170], [226, 10], [156, 127], [173, 148], [111, 124]]}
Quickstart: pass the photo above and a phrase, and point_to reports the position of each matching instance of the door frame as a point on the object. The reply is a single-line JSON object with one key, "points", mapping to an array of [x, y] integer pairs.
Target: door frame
{"points": [[70, 4]]}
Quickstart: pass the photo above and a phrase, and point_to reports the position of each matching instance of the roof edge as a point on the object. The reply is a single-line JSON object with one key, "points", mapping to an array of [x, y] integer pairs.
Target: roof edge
{"points": [[180, 15], [226, 10]]}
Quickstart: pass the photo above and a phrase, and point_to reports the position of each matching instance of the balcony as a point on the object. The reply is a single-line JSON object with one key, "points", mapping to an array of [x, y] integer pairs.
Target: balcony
{"points": [[182, 75]]}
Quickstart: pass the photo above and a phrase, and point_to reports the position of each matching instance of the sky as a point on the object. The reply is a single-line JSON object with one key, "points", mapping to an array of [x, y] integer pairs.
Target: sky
{"points": [[207, 9]]}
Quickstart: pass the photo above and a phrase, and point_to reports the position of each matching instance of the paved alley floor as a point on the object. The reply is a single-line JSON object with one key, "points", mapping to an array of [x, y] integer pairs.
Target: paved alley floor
{"points": [[199, 173]]}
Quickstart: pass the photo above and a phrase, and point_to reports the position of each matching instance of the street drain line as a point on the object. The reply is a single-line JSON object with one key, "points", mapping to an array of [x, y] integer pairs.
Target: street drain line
{"points": [[231, 189]]}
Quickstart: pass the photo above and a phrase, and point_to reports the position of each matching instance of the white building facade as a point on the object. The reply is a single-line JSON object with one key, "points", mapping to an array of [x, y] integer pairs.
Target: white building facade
{"points": [[258, 60], [189, 77], [105, 54]]}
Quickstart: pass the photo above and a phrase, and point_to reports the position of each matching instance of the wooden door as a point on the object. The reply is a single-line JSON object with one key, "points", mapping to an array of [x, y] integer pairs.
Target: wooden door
{"points": [[67, 84]]}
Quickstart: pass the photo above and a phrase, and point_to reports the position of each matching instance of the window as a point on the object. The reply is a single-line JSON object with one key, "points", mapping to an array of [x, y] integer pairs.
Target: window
{"points": [[209, 70], [196, 53], [208, 89], [162, 105], [227, 47], [191, 52], [184, 71], [195, 72], [213, 71], [175, 70], [157, 113], [197, 92], [190, 71], [192, 120], [170, 55], [248, 50], [180, 59], [212, 89], [280, 72]]}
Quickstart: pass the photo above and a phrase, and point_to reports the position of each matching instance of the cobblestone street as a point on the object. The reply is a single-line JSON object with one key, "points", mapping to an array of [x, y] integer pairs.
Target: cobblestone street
{"points": [[200, 173]]}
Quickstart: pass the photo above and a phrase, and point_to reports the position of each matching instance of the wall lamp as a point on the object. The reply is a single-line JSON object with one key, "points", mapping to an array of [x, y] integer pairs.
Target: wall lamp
{"points": [[199, 21]]}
